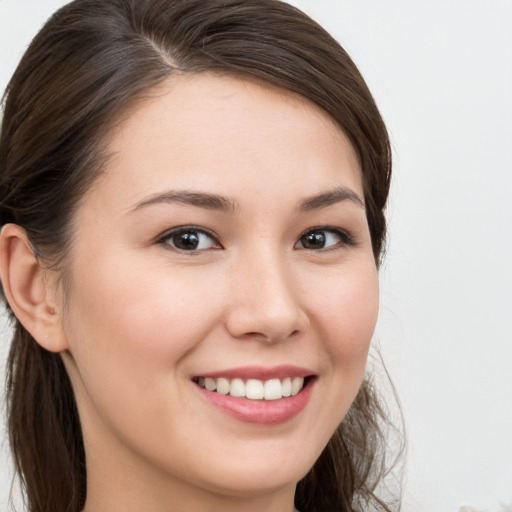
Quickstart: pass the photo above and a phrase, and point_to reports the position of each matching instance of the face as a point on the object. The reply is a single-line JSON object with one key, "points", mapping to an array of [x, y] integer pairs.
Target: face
{"points": [[226, 246]]}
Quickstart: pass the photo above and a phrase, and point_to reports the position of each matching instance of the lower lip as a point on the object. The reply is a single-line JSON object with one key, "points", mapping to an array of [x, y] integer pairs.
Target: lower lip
{"points": [[263, 412]]}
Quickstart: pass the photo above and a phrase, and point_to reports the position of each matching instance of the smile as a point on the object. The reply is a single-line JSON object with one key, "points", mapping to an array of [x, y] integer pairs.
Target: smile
{"points": [[253, 389], [265, 396]]}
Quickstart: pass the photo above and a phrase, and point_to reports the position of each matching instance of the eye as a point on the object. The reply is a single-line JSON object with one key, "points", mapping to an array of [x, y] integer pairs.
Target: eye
{"points": [[323, 238], [189, 239]]}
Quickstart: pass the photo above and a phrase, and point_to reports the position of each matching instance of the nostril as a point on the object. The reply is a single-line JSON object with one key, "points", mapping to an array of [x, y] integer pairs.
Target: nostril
{"points": [[268, 320]]}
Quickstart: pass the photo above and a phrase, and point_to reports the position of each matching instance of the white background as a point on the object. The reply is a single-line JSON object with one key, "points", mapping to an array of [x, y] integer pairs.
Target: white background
{"points": [[441, 72]]}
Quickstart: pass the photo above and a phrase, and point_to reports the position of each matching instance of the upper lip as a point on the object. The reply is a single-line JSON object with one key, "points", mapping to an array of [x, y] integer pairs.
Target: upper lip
{"points": [[259, 372]]}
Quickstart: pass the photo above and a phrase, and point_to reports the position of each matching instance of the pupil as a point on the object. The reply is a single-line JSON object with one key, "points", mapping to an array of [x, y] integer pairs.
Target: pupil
{"points": [[314, 240], [186, 241]]}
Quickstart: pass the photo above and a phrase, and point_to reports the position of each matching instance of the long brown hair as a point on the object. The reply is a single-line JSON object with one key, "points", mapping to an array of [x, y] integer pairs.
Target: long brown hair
{"points": [[90, 61]]}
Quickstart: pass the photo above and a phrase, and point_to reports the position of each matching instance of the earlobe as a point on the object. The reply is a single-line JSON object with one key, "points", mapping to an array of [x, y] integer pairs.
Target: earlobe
{"points": [[28, 290]]}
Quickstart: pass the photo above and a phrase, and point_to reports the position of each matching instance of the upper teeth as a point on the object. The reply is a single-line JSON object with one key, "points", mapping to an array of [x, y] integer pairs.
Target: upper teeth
{"points": [[254, 389]]}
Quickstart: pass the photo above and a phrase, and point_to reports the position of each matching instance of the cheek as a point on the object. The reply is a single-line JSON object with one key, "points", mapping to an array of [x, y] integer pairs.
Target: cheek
{"points": [[136, 306], [347, 315], [128, 327], [130, 331]]}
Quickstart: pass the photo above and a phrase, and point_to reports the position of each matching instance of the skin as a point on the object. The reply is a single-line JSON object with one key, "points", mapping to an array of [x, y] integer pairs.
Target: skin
{"points": [[141, 317]]}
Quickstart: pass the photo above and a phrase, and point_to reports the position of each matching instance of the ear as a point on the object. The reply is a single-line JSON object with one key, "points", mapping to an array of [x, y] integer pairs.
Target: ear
{"points": [[30, 289]]}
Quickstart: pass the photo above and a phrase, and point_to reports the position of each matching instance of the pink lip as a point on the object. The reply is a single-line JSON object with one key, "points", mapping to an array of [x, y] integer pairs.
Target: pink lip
{"points": [[263, 412], [260, 373]]}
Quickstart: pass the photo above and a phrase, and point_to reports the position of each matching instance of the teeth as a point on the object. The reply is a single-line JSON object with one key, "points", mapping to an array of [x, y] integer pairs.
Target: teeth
{"points": [[223, 386], [287, 387], [237, 388], [254, 389], [297, 384], [273, 389], [209, 384]]}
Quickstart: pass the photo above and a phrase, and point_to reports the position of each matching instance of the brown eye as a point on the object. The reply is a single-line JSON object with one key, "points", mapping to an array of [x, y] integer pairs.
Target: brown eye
{"points": [[322, 238], [313, 240], [189, 239]]}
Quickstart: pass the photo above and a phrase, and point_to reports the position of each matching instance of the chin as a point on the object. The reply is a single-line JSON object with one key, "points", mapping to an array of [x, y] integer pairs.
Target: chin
{"points": [[249, 482], [263, 474]]}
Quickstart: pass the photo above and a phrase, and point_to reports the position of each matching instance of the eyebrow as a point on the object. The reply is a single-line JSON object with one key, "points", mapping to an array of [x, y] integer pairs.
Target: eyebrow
{"points": [[330, 197], [224, 204], [192, 198]]}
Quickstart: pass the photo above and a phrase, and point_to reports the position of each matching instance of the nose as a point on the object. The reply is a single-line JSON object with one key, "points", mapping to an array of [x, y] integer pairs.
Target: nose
{"points": [[265, 301]]}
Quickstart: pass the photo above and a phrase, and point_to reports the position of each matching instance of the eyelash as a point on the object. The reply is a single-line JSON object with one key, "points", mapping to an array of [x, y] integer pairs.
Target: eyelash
{"points": [[345, 239], [182, 230]]}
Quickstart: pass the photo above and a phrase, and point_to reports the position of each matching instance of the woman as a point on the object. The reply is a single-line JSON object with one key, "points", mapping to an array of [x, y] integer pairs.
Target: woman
{"points": [[192, 202]]}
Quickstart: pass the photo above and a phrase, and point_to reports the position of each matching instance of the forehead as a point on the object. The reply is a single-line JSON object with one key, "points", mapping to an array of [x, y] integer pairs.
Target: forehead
{"points": [[212, 131]]}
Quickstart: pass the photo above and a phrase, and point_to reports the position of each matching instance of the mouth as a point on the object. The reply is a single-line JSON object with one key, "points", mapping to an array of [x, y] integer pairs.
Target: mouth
{"points": [[258, 395], [253, 388]]}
